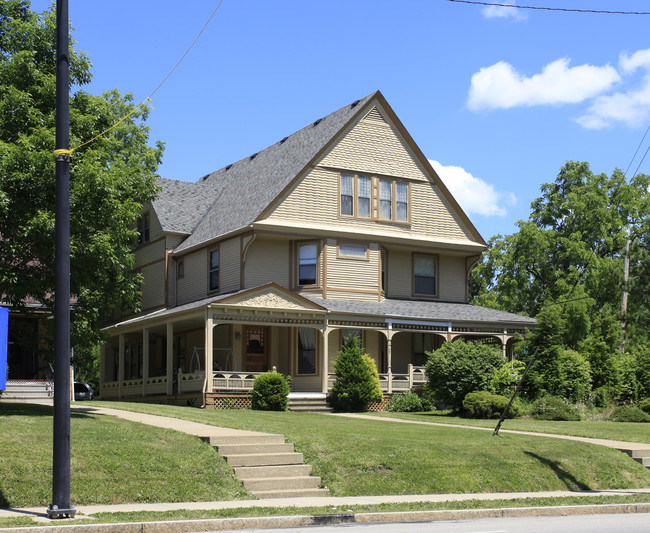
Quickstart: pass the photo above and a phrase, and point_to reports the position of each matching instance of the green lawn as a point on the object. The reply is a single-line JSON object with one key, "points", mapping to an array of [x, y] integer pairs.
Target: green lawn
{"points": [[120, 461], [625, 431]]}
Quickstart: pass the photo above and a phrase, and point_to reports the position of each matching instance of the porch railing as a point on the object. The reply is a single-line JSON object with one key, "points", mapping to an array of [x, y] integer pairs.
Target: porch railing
{"points": [[233, 381], [192, 382], [391, 382]]}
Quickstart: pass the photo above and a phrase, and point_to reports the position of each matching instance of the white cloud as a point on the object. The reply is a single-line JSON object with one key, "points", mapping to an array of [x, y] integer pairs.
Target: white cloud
{"points": [[631, 107], [473, 194], [500, 86], [491, 12]]}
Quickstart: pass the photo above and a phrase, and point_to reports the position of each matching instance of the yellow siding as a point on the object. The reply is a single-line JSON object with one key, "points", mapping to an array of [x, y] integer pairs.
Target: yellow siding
{"points": [[399, 274], [401, 352], [230, 259], [153, 290], [371, 346], [315, 199], [267, 260], [150, 252], [347, 273], [194, 284], [374, 146], [451, 284]]}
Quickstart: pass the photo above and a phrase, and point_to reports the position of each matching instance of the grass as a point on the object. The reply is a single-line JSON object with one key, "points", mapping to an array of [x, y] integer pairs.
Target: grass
{"points": [[362, 457], [112, 461], [144, 516], [625, 431]]}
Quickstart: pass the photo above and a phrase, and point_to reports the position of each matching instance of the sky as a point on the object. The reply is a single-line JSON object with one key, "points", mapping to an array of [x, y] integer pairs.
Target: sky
{"points": [[498, 98]]}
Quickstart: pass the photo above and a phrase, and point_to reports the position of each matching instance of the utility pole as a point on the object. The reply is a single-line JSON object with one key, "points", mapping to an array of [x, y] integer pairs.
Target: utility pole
{"points": [[61, 506]]}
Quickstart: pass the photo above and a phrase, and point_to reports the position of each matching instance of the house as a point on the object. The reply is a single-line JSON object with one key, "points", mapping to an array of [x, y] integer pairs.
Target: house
{"points": [[342, 228]]}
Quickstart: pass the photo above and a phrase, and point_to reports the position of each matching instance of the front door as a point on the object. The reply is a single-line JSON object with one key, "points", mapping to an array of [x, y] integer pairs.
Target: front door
{"points": [[256, 342]]}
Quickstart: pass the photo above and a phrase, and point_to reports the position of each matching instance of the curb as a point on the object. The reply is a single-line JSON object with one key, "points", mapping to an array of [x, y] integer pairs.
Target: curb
{"points": [[225, 524]]}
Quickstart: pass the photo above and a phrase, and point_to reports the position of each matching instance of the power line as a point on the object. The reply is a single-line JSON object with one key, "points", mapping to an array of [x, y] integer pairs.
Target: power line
{"points": [[597, 11]]}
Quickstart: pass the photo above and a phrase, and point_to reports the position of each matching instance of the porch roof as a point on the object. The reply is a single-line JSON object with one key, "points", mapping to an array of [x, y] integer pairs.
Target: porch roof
{"points": [[424, 310]]}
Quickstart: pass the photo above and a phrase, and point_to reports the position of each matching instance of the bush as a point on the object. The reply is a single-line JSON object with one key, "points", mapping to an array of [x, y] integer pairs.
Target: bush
{"points": [[458, 368], [270, 391], [644, 405], [357, 380], [575, 376], [629, 413], [553, 408], [407, 402], [484, 404]]}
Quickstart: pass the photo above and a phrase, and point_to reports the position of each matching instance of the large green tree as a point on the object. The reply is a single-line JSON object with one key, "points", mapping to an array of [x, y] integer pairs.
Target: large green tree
{"points": [[565, 266], [110, 178]]}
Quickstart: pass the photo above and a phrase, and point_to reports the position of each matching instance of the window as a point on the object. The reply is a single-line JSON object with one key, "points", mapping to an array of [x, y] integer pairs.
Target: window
{"points": [[306, 351], [401, 201], [424, 274], [347, 194], [384, 265], [353, 251], [180, 269], [143, 228], [363, 202], [385, 200], [307, 263], [214, 270]]}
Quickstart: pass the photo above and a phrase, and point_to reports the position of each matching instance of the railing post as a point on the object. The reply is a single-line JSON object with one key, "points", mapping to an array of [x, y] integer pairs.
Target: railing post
{"points": [[410, 367]]}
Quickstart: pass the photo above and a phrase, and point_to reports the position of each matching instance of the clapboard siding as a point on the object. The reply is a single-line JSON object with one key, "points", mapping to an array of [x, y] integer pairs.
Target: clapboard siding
{"points": [[194, 283], [267, 260], [230, 265], [375, 147], [401, 352], [399, 274], [315, 199], [153, 291], [452, 281], [150, 252], [347, 273]]}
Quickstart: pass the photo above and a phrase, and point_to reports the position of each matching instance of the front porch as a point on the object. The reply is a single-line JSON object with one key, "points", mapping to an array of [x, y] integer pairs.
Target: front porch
{"points": [[241, 335]]}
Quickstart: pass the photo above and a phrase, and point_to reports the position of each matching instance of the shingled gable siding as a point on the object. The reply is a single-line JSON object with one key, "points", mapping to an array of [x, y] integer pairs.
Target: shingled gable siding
{"points": [[375, 147], [267, 260], [352, 279]]}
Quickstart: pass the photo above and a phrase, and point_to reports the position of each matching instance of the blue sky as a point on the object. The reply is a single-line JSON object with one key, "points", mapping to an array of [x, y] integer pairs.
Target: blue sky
{"points": [[498, 98]]}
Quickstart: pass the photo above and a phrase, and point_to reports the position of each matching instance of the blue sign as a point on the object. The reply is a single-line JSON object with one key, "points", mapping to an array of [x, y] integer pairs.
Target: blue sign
{"points": [[4, 344]]}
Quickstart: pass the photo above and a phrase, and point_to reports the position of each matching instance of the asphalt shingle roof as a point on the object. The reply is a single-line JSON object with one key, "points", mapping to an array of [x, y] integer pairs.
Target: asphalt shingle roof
{"points": [[233, 197]]}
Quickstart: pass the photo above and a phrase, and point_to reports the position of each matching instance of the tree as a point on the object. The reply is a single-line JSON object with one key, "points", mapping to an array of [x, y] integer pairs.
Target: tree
{"points": [[357, 382], [110, 178]]}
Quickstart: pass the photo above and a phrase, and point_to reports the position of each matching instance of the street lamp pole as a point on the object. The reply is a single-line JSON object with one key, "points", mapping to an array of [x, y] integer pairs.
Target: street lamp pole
{"points": [[61, 506]]}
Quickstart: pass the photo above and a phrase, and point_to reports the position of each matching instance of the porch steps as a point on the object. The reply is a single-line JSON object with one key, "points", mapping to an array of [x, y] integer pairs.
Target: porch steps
{"points": [[309, 404], [28, 391], [268, 466]]}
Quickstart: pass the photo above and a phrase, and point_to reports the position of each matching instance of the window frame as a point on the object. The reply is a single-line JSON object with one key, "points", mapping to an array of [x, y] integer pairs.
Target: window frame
{"points": [[374, 198], [143, 227], [180, 269], [317, 281], [436, 276], [339, 255], [212, 269]]}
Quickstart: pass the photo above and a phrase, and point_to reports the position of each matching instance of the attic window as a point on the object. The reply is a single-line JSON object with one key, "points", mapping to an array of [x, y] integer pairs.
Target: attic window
{"points": [[282, 141], [317, 122], [355, 103], [254, 155], [228, 166]]}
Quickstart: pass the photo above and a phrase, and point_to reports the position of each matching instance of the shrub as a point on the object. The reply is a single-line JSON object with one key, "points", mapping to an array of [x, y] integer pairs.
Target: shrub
{"points": [[484, 404], [575, 376], [629, 413], [504, 379], [602, 396], [270, 391], [407, 402], [644, 405], [458, 368], [553, 408], [357, 380]]}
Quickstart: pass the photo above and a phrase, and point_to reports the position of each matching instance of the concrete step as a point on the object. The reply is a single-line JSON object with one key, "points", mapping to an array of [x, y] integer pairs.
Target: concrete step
{"points": [[274, 471], [257, 448], [286, 483], [245, 439], [264, 459], [290, 493], [640, 456], [309, 405]]}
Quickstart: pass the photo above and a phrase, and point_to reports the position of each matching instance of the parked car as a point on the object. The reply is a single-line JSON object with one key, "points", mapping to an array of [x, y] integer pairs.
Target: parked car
{"points": [[82, 391]]}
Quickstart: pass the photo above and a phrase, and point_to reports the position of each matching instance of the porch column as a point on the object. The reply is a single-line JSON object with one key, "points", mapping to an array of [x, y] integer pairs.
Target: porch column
{"points": [[389, 360], [145, 359], [325, 358], [120, 365], [170, 358], [209, 328], [504, 343]]}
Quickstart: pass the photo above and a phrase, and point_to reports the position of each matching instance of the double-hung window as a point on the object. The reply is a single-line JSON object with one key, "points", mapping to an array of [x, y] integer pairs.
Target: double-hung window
{"points": [[307, 263], [377, 198], [214, 270], [306, 351], [347, 194], [363, 197], [401, 201], [385, 199], [424, 275], [143, 228]]}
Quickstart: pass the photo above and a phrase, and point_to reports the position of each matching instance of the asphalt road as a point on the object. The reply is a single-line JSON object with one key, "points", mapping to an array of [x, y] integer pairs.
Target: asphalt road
{"points": [[600, 523]]}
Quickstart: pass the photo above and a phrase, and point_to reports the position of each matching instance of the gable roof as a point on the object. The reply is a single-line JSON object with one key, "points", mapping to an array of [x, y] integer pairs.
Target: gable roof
{"points": [[235, 196]]}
